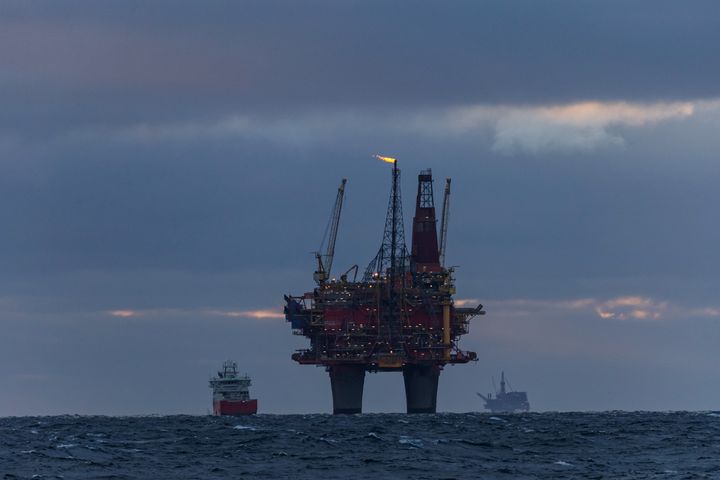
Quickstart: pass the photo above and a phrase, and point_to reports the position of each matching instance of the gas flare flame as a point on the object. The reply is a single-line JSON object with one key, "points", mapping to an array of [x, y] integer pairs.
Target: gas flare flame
{"points": [[386, 159]]}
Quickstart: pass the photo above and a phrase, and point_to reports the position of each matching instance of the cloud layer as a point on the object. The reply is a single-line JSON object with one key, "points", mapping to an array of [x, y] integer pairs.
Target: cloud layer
{"points": [[571, 128], [626, 307], [579, 127]]}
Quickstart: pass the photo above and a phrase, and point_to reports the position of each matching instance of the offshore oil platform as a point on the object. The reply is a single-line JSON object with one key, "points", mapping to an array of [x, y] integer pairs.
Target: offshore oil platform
{"points": [[400, 317], [506, 401]]}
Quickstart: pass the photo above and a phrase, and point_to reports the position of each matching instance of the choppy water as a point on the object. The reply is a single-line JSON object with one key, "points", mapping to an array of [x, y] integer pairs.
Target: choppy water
{"points": [[462, 446]]}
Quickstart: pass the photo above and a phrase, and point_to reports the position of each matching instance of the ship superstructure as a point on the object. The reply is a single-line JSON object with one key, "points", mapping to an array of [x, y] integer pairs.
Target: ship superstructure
{"points": [[400, 317], [231, 392], [506, 401]]}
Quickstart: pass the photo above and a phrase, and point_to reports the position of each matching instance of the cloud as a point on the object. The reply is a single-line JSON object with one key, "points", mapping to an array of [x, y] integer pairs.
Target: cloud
{"points": [[706, 312], [124, 313], [229, 54], [574, 127], [299, 128], [257, 314], [260, 314], [639, 308], [227, 126], [626, 307], [33, 377], [578, 127], [462, 302]]}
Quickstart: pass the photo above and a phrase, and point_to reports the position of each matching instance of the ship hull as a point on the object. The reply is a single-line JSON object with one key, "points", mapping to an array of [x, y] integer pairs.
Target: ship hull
{"points": [[225, 407], [507, 407]]}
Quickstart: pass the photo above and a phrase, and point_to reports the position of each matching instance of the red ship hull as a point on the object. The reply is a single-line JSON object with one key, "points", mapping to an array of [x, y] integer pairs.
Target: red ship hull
{"points": [[224, 407]]}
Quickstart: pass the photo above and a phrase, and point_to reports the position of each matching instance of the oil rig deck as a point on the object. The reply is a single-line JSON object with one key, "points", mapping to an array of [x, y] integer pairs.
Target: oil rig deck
{"points": [[399, 317]]}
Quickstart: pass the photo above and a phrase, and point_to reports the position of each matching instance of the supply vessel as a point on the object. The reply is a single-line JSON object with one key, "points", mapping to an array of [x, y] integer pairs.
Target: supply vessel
{"points": [[231, 394], [399, 317], [506, 401]]}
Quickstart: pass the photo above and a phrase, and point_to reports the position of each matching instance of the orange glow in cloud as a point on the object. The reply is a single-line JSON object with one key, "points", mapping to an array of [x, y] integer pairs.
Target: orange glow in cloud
{"points": [[630, 306], [461, 302], [588, 113], [258, 314], [123, 313], [603, 314]]}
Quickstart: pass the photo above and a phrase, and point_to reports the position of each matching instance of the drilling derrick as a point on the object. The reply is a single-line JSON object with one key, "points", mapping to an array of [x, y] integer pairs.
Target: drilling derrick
{"points": [[400, 317]]}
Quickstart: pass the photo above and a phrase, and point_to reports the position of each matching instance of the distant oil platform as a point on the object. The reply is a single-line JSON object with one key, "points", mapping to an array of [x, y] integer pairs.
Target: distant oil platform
{"points": [[400, 317], [506, 401]]}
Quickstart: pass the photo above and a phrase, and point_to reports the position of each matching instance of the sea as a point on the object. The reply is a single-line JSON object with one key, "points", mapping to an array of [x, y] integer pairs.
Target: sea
{"points": [[612, 445]]}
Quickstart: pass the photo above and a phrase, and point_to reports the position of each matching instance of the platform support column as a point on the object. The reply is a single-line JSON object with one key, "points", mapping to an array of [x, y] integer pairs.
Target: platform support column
{"points": [[421, 385], [347, 388]]}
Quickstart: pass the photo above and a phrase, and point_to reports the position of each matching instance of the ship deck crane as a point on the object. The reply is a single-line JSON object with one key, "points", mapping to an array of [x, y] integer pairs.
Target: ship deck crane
{"points": [[325, 259], [444, 221]]}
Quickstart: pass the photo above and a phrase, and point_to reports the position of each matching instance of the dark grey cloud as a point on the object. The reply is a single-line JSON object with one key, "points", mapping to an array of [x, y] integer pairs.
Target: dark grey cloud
{"points": [[117, 62]]}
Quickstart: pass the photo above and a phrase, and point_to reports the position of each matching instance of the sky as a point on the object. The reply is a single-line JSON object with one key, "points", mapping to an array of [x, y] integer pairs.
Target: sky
{"points": [[167, 168]]}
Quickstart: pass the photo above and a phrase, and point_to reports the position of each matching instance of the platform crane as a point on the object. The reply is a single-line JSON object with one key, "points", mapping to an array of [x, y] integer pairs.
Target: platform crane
{"points": [[444, 221], [322, 274]]}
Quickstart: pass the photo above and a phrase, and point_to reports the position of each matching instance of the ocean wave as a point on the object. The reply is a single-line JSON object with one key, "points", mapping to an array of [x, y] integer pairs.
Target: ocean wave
{"points": [[244, 427], [304, 447]]}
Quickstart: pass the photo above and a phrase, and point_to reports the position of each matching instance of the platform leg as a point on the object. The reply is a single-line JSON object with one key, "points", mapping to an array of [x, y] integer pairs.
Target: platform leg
{"points": [[347, 388], [421, 385]]}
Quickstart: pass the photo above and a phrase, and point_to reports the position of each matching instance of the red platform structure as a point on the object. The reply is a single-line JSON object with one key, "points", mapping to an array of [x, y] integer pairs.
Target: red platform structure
{"points": [[399, 317]]}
